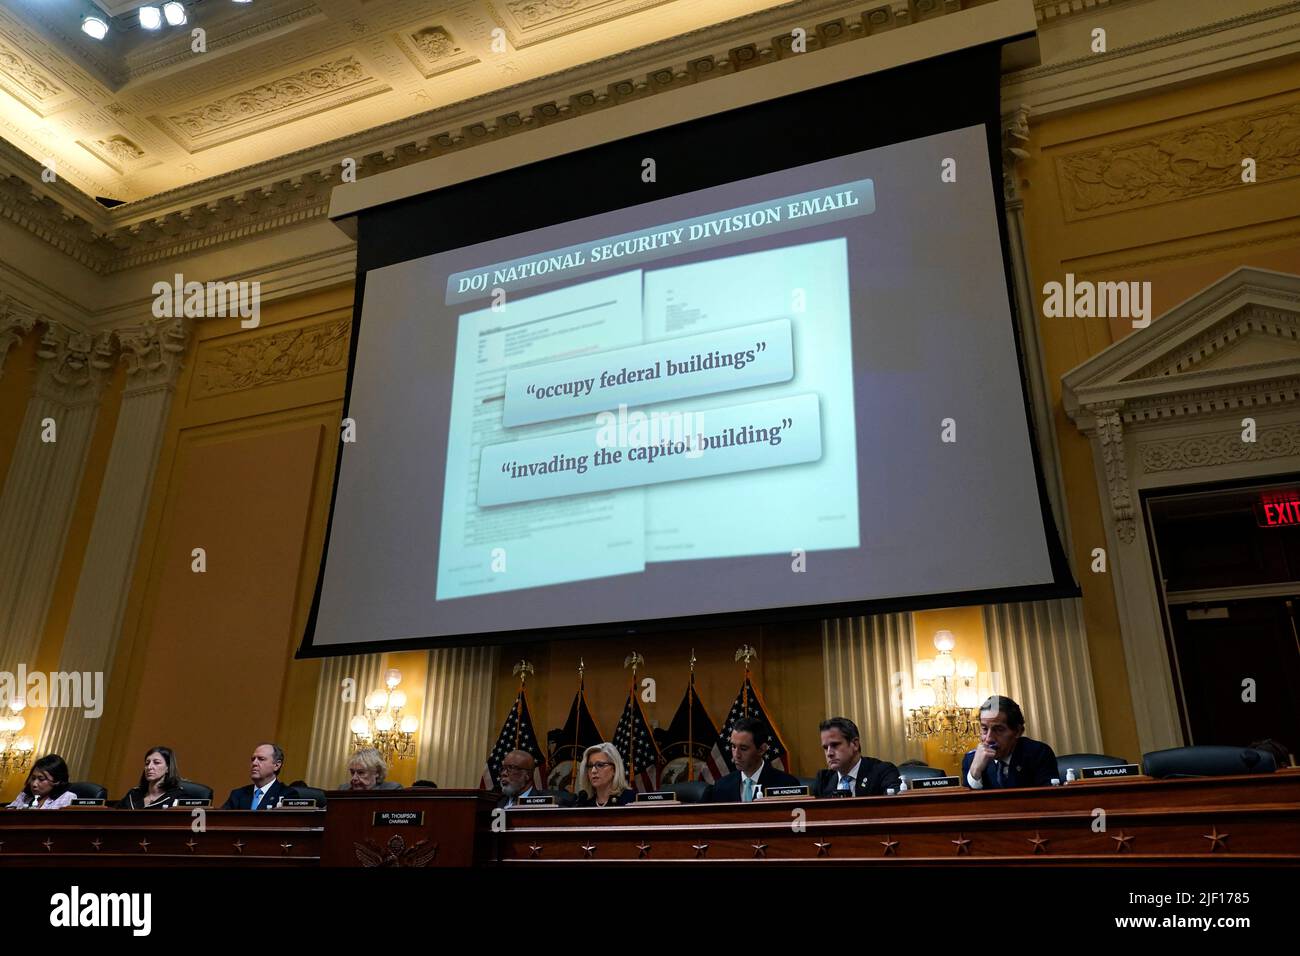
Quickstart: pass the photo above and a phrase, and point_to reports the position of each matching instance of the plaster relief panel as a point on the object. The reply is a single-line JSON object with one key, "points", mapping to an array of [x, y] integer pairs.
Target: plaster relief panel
{"points": [[532, 21], [118, 152], [433, 49], [1193, 161], [307, 92], [272, 358]]}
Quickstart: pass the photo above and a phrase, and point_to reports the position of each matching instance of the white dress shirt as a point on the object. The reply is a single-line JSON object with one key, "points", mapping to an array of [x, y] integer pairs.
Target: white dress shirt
{"points": [[852, 773]]}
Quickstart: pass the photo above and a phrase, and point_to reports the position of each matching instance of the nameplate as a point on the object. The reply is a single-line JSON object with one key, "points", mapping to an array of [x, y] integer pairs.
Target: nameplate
{"points": [[771, 793], [296, 803], [87, 802], [537, 801], [843, 793], [1105, 773], [930, 783], [657, 796], [192, 802], [398, 818]]}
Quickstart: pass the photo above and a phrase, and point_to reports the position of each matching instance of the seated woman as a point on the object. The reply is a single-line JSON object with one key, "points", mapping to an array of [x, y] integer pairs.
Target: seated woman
{"points": [[160, 783], [603, 783], [366, 771], [46, 787]]}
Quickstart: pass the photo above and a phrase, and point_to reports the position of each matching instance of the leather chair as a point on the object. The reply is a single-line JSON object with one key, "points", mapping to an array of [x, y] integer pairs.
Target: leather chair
{"points": [[311, 793], [1077, 762], [1206, 761], [913, 771], [809, 782], [84, 790], [199, 790], [691, 791]]}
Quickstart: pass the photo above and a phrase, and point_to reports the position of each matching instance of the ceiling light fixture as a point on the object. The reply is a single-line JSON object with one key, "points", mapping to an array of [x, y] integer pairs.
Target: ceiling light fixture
{"points": [[174, 12], [95, 27], [150, 18]]}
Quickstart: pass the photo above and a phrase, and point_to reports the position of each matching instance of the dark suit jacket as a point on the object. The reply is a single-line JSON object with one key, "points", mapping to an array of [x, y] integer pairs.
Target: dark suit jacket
{"points": [[134, 799], [874, 778], [622, 800], [1033, 764], [242, 798], [728, 789]]}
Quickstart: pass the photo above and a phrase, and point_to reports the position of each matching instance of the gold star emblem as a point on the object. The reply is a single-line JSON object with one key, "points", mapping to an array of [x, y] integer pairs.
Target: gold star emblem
{"points": [[191, 843], [760, 850], [823, 849], [1217, 840], [700, 849], [589, 849], [144, 844], [643, 850], [286, 847], [534, 850], [1121, 842], [49, 845], [1040, 845], [97, 843], [890, 845], [239, 846], [962, 844]]}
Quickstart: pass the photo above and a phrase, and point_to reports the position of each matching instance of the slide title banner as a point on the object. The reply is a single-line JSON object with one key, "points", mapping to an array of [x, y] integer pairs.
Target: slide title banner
{"points": [[829, 204]]}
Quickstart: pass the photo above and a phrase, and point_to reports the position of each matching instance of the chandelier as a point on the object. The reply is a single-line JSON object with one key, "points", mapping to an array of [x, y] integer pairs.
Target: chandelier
{"points": [[944, 703], [383, 726], [15, 750]]}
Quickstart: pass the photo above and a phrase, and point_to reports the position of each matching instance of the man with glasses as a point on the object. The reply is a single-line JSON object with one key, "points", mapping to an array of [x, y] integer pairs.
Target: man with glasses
{"points": [[1005, 757], [516, 778]]}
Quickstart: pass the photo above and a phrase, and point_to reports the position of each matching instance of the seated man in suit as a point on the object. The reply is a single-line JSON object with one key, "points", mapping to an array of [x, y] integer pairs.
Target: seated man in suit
{"points": [[847, 771], [749, 737], [1005, 757], [266, 790], [516, 778]]}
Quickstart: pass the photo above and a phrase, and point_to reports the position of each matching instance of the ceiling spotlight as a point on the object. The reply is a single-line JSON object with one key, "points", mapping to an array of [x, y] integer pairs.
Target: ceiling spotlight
{"points": [[95, 27], [150, 18], [174, 12]]}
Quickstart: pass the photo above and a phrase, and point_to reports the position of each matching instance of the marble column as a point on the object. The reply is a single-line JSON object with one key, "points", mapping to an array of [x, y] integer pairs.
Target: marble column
{"points": [[153, 353], [40, 488]]}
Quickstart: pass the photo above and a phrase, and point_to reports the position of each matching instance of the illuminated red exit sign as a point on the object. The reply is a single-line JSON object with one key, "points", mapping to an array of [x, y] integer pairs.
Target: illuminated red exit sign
{"points": [[1278, 510]]}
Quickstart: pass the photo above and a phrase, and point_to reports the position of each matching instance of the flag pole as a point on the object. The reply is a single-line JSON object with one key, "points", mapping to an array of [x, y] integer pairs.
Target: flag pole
{"points": [[634, 659], [577, 730], [745, 653], [690, 723], [523, 669]]}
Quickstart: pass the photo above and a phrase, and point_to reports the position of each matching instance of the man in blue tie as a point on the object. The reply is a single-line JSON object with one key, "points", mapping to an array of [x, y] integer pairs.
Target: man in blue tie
{"points": [[266, 790], [753, 774], [848, 773], [1005, 757]]}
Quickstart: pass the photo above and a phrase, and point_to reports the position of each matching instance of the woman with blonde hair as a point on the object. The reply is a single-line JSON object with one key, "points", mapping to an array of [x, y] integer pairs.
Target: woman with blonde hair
{"points": [[601, 778]]}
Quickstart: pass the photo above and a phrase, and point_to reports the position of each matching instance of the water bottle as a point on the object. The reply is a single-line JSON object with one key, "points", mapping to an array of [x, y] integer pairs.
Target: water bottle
{"points": [[1069, 775], [902, 785]]}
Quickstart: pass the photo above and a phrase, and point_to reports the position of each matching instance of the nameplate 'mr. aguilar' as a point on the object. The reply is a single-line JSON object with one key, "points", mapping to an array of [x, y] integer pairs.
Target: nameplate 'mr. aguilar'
{"points": [[931, 783], [398, 818], [1104, 773]]}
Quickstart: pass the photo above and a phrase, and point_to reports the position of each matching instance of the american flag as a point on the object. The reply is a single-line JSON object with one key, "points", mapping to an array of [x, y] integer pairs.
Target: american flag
{"points": [[637, 747], [516, 734], [750, 704]]}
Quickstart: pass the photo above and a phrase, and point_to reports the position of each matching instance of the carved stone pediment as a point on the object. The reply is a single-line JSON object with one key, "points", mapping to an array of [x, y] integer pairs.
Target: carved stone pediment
{"points": [[1231, 346]]}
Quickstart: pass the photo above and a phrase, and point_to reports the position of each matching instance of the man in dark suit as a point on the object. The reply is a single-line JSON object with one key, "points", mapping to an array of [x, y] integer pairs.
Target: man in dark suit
{"points": [[1005, 757], [753, 775], [516, 778], [266, 790], [847, 771]]}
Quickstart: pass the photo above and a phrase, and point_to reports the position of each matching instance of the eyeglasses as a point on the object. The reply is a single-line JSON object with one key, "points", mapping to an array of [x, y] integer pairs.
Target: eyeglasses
{"points": [[600, 765]]}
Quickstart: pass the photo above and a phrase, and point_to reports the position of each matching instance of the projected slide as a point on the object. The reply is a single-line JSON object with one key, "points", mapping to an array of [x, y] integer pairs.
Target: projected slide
{"points": [[604, 407], [796, 389]]}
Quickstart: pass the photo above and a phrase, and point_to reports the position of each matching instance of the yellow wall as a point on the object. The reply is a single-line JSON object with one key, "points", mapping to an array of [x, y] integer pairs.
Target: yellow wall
{"points": [[205, 660], [967, 626], [1210, 225], [15, 388]]}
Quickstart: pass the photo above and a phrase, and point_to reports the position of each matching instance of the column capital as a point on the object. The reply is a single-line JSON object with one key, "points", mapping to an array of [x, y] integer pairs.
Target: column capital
{"points": [[16, 321], [1015, 137], [75, 364], [153, 351]]}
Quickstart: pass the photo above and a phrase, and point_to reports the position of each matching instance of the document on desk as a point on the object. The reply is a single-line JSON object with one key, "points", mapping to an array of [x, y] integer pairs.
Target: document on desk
{"points": [[553, 540], [767, 511]]}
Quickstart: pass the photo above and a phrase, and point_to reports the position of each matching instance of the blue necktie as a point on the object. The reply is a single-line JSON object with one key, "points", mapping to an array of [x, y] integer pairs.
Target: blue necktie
{"points": [[257, 797], [846, 783], [749, 791]]}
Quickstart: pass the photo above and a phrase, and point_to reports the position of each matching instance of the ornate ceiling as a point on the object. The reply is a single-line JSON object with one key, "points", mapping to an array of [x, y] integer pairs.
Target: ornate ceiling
{"points": [[141, 112]]}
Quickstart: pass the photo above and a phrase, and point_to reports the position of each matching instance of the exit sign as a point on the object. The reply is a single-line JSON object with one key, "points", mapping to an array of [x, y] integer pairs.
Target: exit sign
{"points": [[1278, 510]]}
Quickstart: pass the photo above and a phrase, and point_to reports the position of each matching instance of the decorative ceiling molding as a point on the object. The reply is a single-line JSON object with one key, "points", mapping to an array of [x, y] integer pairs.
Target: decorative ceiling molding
{"points": [[532, 21], [295, 188], [1054, 10]]}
